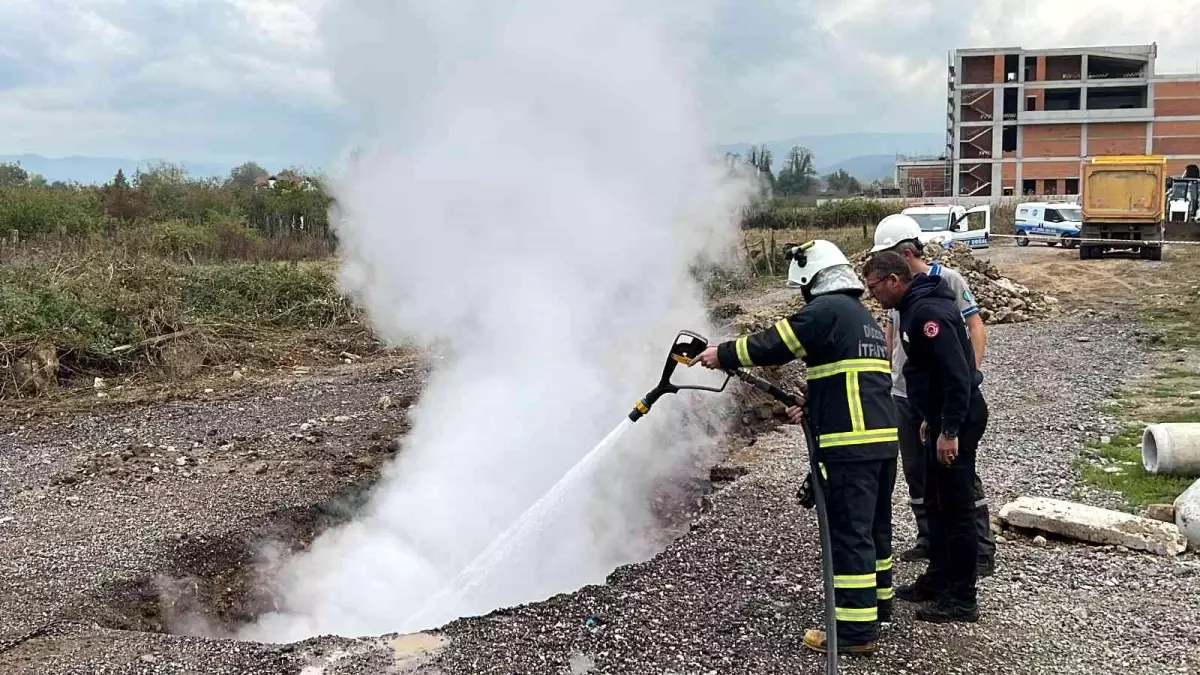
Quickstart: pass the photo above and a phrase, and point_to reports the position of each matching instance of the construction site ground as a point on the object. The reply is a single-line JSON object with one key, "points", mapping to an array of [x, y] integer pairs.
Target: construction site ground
{"points": [[101, 509]]}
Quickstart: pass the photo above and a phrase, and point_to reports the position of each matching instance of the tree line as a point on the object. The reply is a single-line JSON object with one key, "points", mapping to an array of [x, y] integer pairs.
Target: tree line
{"points": [[286, 203], [798, 176]]}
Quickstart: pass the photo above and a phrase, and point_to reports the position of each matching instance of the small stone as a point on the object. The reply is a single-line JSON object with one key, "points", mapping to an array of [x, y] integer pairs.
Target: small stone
{"points": [[182, 461], [384, 402], [306, 426], [99, 383], [1080, 613], [208, 391], [260, 469], [1001, 539], [1039, 540], [1106, 439], [237, 376], [1194, 394], [73, 499], [341, 418], [1122, 549], [1113, 469], [149, 658]]}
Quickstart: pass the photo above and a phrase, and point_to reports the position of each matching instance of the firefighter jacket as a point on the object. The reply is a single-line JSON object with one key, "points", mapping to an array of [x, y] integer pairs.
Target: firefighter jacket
{"points": [[940, 366], [849, 376]]}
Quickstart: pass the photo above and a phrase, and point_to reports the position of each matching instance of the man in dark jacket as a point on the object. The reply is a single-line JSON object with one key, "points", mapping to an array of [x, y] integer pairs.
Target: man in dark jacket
{"points": [[943, 384], [850, 407]]}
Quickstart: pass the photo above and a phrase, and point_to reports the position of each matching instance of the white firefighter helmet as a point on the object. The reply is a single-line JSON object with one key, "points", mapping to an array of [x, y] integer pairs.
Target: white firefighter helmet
{"points": [[893, 230], [810, 258]]}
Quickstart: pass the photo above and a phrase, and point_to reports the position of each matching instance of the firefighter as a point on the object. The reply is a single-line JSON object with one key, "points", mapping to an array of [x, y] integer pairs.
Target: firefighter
{"points": [[900, 233], [943, 386], [848, 382]]}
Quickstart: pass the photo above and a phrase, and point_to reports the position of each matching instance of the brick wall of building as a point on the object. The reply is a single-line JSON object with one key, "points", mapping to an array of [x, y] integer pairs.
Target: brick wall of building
{"points": [[1116, 138], [1173, 99], [1034, 170], [1053, 140]]}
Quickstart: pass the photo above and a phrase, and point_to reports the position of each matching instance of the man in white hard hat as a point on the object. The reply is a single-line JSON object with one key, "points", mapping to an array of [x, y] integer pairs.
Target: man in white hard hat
{"points": [[901, 234], [848, 403]]}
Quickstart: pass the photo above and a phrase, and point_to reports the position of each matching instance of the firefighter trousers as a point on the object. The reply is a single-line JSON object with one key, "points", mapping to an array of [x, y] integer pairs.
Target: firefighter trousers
{"points": [[912, 453], [859, 501], [950, 500]]}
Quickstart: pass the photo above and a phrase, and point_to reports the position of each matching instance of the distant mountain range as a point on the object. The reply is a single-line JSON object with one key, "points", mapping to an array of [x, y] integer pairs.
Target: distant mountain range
{"points": [[865, 168], [866, 156], [101, 169]]}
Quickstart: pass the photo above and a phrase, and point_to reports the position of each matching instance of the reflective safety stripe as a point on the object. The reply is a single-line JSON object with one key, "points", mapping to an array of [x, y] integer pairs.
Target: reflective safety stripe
{"points": [[743, 351], [858, 438], [883, 565], [857, 613], [854, 397], [824, 473], [981, 502], [850, 366], [917, 501], [885, 593], [854, 580], [789, 338]]}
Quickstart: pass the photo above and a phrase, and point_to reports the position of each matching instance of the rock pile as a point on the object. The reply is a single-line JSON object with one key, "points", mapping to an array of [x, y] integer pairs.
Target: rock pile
{"points": [[1001, 300]]}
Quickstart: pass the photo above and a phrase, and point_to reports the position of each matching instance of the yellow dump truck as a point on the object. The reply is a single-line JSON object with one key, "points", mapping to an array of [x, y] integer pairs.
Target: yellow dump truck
{"points": [[1123, 200]]}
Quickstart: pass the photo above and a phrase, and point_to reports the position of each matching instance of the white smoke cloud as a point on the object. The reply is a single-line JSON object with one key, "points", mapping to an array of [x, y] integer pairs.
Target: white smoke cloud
{"points": [[532, 189]]}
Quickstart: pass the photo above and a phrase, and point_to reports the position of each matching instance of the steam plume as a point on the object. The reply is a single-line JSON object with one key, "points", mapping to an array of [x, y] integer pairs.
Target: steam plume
{"points": [[533, 187]]}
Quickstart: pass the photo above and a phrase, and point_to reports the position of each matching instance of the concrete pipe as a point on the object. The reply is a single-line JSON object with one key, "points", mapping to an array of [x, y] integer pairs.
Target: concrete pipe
{"points": [[1172, 449]]}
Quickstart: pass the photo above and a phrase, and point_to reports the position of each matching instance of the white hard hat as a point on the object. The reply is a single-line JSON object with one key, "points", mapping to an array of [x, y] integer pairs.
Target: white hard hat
{"points": [[893, 230], [810, 258]]}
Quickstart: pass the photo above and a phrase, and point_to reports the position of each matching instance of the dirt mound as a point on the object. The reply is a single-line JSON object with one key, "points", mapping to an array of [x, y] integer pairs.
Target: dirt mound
{"points": [[1001, 300]]}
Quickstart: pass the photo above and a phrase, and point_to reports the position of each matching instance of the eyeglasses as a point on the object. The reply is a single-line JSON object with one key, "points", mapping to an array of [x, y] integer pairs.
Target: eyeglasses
{"points": [[871, 285]]}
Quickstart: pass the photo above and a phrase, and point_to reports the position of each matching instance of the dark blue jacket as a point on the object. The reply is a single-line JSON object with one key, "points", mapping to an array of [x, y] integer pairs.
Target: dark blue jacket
{"points": [[940, 367]]}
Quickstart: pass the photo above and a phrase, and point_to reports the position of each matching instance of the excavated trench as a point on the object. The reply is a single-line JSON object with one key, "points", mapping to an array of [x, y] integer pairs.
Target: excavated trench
{"points": [[209, 585]]}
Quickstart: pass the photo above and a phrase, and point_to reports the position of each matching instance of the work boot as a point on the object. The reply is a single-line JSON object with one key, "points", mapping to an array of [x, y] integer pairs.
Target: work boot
{"points": [[815, 640], [918, 552], [946, 610], [985, 566], [921, 590]]}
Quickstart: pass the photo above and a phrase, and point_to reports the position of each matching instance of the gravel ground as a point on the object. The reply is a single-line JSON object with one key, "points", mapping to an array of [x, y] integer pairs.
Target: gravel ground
{"points": [[93, 506], [732, 596]]}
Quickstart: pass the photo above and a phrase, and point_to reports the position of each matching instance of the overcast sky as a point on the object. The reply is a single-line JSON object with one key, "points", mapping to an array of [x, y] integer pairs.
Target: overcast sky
{"points": [[229, 80]]}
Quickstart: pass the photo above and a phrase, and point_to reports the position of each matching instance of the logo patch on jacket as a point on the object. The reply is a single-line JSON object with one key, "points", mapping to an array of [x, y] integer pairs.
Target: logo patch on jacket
{"points": [[931, 329]]}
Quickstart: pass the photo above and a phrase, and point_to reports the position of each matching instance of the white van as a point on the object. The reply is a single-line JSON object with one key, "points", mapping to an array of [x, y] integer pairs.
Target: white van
{"points": [[1052, 222], [946, 223]]}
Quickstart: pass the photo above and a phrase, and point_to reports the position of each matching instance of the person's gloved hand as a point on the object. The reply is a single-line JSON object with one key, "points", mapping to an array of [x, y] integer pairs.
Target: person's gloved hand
{"points": [[805, 494]]}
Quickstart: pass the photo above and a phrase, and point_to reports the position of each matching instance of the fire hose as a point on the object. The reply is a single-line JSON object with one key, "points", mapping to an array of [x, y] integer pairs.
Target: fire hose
{"points": [[688, 346]]}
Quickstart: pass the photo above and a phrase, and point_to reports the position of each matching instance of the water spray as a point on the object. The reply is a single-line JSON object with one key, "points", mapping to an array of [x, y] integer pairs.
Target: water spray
{"points": [[684, 350]]}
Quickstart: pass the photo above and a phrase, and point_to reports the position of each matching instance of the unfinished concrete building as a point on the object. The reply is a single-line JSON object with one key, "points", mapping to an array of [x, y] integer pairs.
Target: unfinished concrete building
{"points": [[1019, 121]]}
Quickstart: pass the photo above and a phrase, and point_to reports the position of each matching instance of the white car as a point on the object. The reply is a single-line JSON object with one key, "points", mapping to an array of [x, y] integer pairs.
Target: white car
{"points": [[1052, 222], [948, 223]]}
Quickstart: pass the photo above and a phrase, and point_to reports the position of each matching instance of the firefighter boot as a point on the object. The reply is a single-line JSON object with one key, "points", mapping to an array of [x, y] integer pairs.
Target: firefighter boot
{"points": [[919, 591], [947, 609], [816, 641]]}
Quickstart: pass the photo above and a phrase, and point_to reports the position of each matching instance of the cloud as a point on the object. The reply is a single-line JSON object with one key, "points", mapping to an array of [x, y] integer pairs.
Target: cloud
{"points": [[216, 80], [226, 80]]}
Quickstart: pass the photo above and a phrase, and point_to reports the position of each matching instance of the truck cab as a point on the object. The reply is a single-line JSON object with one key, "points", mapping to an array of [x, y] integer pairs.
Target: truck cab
{"points": [[947, 223], [1052, 222]]}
